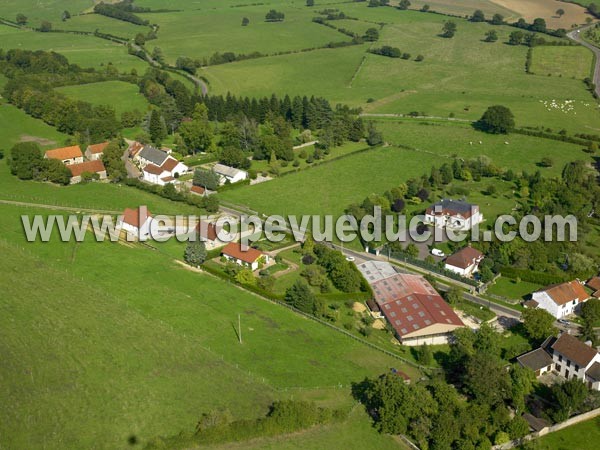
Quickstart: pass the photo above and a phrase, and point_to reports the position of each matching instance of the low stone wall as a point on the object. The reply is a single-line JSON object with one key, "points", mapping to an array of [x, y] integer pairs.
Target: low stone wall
{"points": [[559, 426]]}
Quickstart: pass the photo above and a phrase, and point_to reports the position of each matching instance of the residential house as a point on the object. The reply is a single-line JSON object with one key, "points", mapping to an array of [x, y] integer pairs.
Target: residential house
{"points": [[150, 155], [136, 222], [134, 148], [567, 356], [464, 262], [244, 256], [95, 151], [538, 360], [229, 174], [174, 167], [560, 300], [156, 175], [167, 172], [575, 359], [454, 214], [91, 167], [68, 155], [418, 314]]}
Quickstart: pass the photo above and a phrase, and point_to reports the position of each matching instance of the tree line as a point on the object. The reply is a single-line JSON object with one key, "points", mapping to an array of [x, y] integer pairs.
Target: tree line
{"points": [[124, 10]]}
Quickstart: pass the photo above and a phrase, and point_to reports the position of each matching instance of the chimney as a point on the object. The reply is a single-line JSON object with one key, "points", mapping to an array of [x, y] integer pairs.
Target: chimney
{"points": [[588, 343]]}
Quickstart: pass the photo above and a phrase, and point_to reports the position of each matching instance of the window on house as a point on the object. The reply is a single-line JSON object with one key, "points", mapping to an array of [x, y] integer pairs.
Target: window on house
{"points": [[558, 368], [568, 363], [560, 358]]}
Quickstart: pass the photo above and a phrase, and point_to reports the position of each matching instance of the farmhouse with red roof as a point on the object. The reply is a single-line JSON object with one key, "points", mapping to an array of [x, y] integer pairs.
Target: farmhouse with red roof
{"points": [[244, 255], [464, 262], [136, 222], [563, 299]]}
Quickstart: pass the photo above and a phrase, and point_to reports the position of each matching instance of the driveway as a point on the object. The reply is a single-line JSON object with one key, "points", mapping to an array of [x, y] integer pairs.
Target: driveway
{"points": [[575, 35]]}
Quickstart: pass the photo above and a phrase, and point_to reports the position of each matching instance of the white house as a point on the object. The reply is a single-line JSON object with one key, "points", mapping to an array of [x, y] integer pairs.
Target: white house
{"points": [[247, 256], [68, 155], [156, 175], [454, 214], [464, 262], [574, 359], [150, 155], [136, 222], [560, 300], [174, 167], [91, 167], [95, 151], [166, 173], [230, 174]]}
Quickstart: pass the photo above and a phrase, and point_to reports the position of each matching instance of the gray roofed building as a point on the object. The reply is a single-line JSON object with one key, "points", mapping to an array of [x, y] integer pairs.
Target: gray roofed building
{"points": [[594, 371], [537, 360], [230, 174], [152, 155], [376, 270]]}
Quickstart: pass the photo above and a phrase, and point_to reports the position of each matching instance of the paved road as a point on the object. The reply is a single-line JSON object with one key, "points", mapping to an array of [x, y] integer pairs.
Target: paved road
{"points": [[575, 35]]}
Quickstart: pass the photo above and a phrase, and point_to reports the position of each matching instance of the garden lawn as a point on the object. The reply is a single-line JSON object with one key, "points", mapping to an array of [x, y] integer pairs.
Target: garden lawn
{"points": [[506, 287], [120, 95]]}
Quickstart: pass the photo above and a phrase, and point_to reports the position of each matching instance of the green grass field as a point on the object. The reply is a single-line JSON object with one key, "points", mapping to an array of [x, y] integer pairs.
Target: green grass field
{"points": [[353, 178], [460, 76], [583, 436], [37, 10], [147, 360], [329, 188], [118, 94], [447, 139], [199, 34], [15, 126], [86, 51], [562, 62], [93, 22], [508, 288]]}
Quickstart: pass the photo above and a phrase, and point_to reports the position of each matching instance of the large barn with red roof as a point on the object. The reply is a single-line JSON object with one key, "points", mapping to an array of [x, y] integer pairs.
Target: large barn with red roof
{"points": [[418, 314]]}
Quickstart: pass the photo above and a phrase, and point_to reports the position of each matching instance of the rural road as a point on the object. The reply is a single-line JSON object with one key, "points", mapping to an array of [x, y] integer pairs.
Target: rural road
{"points": [[575, 35]]}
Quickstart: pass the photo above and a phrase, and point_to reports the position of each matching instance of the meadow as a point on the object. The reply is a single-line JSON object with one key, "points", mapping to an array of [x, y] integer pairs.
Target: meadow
{"points": [[16, 126], [38, 10], [562, 62], [351, 179], [198, 34], [461, 76], [102, 363], [86, 51], [329, 188], [582, 436], [120, 95]]}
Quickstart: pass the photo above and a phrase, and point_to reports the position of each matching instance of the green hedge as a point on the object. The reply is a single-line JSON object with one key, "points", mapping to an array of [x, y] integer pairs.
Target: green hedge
{"points": [[532, 276]]}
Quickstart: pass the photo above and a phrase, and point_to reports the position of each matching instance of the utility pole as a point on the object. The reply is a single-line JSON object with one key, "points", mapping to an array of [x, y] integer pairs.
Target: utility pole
{"points": [[240, 327]]}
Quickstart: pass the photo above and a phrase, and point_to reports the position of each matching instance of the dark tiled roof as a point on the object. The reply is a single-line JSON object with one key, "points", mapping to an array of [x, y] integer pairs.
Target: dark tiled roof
{"points": [[464, 258], [535, 359], [154, 155], [594, 371], [575, 350], [451, 207]]}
